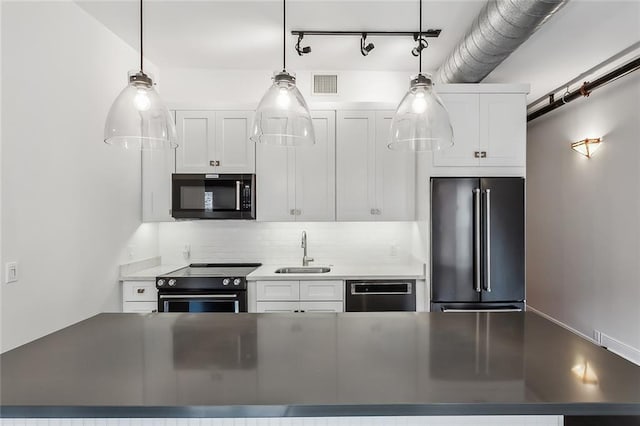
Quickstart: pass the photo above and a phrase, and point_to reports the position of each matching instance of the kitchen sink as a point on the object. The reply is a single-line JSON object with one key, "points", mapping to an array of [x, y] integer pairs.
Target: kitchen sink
{"points": [[303, 270]]}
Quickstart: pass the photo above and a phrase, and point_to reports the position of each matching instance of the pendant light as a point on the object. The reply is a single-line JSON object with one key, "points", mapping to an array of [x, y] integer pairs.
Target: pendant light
{"points": [[421, 121], [138, 118], [283, 117]]}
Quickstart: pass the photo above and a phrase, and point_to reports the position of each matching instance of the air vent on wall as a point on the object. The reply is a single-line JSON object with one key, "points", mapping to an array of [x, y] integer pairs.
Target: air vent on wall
{"points": [[325, 84]]}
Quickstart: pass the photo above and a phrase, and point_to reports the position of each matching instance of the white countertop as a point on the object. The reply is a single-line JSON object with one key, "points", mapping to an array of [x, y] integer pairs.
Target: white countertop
{"points": [[150, 273], [344, 272]]}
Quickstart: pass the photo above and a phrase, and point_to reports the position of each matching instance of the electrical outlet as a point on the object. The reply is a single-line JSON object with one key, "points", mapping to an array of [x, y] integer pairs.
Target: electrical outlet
{"points": [[11, 272]]}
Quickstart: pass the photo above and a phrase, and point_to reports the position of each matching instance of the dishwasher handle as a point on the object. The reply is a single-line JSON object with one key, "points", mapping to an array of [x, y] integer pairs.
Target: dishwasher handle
{"points": [[366, 288]]}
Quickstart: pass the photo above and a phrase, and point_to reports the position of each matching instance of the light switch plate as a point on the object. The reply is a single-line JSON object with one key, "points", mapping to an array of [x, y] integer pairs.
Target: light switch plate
{"points": [[11, 272]]}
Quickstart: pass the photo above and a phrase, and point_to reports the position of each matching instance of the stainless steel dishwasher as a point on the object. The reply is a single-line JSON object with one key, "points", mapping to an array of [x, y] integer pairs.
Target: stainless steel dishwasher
{"points": [[380, 295]]}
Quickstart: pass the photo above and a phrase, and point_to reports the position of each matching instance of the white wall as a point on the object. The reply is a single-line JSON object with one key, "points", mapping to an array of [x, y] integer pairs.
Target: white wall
{"points": [[70, 203], [201, 88], [279, 243], [583, 227]]}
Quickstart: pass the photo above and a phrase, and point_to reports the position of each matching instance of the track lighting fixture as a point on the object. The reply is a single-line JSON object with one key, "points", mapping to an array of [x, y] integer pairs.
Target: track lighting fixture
{"points": [[302, 50], [422, 44], [364, 47]]}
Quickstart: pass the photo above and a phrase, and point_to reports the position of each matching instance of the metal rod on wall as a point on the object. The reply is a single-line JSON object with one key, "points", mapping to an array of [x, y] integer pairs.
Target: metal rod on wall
{"points": [[586, 89]]}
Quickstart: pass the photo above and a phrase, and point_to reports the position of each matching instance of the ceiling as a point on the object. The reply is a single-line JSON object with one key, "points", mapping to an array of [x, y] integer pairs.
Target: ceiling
{"points": [[240, 34], [248, 34]]}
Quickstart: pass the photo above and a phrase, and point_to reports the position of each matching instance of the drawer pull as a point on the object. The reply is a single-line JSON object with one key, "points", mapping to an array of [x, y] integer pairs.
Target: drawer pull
{"points": [[140, 290]]}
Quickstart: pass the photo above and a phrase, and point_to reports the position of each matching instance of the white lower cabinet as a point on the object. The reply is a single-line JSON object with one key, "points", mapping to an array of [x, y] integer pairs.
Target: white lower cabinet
{"points": [[139, 296], [300, 296]]}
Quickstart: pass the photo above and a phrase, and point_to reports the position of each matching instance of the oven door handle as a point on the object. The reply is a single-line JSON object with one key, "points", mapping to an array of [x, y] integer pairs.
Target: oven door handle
{"points": [[198, 296]]}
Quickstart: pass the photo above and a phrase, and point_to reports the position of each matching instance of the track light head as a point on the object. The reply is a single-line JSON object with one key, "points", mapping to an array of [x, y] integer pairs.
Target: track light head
{"points": [[302, 50], [422, 44], [364, 47]]}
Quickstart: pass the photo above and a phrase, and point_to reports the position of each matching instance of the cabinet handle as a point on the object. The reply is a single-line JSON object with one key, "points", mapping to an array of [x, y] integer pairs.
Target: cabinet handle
{"points": [[298, 212], [476, 154], [292, 212], [214, 163], [378, 211], [140, 290], [483, 154], [373, 211]]}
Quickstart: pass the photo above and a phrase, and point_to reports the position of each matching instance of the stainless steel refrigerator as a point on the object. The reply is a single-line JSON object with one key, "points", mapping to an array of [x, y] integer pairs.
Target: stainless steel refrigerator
{"points": [[477, 244]]}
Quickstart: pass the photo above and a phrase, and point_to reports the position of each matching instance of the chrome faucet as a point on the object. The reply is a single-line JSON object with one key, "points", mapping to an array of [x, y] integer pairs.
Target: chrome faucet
{"points": [[305, 259]]}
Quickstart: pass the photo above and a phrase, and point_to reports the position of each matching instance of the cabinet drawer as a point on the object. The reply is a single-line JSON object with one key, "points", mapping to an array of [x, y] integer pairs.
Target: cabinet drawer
{"points": [[322, 290], [139, 307], [321, 307], [274, 307], [278, 290], [139, 291]]}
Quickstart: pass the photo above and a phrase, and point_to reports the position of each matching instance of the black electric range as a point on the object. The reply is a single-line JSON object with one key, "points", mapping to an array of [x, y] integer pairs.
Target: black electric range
{"points": [[205, 287]]}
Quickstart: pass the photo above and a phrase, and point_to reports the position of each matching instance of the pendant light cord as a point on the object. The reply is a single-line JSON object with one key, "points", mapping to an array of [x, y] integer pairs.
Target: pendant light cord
{"points": [[284, 35], [141, 53], [420, 40]]}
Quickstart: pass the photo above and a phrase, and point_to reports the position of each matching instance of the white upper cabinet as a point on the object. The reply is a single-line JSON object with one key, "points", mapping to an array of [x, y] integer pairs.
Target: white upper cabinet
{"points": [[373, 182], [214, 142], [355, 165], [157, 166], [315, 172], [503, 129], [395, 175], [464, 113], [489, 131], [298, 184]]}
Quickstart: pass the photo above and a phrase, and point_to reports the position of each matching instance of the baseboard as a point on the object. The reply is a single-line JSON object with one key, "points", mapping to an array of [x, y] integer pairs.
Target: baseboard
{"points": [[617, 347]]}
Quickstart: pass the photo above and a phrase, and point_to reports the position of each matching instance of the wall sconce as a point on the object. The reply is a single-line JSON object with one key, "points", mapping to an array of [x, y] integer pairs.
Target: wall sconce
{"points": [[587, 147]]}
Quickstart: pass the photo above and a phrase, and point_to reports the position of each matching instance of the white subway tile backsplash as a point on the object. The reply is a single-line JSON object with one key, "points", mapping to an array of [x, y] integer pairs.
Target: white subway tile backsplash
{"points": [[271, 242]]}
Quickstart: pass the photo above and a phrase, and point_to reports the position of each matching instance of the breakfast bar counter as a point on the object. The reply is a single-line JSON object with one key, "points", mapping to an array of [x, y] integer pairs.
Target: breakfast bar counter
{"points": [[304, 365]]}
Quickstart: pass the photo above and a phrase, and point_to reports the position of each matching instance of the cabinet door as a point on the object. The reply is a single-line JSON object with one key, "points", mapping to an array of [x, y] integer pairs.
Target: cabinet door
{"points": [[233, 149], [321, 306], [277, 290], [355, 163], [322, 290], [463, 111], [157, 166], [315, 186], [277, 307], [196, 136], [275, 183], [503, 129], [395, 175]]}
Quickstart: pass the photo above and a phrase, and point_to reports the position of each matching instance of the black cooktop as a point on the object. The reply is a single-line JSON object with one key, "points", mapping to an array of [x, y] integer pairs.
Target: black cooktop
{"points": [[214, 270]]}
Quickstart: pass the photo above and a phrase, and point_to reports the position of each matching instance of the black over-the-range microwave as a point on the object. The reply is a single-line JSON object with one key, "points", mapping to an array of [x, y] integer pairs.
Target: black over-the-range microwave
{"points": [[213, 196]]}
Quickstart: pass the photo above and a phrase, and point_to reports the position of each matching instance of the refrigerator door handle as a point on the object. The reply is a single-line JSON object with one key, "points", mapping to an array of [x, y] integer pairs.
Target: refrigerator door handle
{"points": [[477, 237], [487, 218]]}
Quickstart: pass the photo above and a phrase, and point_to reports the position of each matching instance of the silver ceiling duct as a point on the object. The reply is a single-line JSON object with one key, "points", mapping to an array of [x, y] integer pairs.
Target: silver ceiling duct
{"points": [[499, 29]]}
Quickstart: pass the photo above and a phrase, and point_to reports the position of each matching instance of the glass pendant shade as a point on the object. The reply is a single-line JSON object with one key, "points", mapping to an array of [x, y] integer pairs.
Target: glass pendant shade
{"points": [[283, 117], [421, 122], [139, 119]]}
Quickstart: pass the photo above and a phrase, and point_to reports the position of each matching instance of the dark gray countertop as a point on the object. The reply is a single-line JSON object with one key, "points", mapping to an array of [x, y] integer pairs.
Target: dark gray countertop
{"points": [[252, 365]]}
